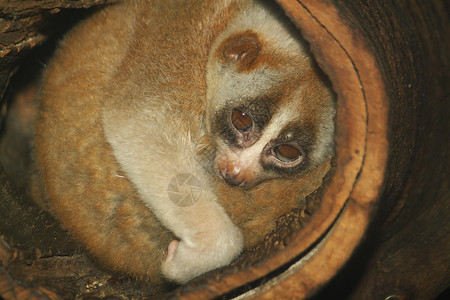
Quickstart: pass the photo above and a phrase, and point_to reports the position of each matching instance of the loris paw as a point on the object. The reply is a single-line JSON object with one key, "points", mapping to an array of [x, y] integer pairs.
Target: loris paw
{"points": [[185, 261], [171, 250]]}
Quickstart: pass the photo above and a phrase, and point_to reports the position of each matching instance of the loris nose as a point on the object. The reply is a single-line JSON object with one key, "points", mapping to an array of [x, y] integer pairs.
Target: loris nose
{"points": [[232, 179], [236, 173]]}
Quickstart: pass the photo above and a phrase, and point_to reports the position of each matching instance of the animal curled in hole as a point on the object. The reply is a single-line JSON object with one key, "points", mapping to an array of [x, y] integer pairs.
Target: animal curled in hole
{"points": [[167, 142]]}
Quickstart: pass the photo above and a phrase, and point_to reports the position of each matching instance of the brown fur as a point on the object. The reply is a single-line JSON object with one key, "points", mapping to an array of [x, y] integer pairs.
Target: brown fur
{"points": [[100, 67], [255, 211], [76, 165]]}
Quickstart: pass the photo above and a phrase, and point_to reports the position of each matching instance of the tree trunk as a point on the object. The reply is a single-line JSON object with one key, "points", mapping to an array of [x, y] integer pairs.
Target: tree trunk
{"points": [[382, 228]]}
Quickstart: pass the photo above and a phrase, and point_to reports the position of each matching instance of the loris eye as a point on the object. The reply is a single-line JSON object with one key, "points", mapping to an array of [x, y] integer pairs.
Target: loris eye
{"points": [[286, 153], [240, 120]]}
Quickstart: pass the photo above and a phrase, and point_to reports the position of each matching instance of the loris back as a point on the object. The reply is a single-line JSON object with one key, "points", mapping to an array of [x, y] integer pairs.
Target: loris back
{"points": [[129, 115]]}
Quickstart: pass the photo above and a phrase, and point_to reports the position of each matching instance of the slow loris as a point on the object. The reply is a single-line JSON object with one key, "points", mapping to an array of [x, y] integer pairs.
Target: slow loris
{"points": [[171, 134]]}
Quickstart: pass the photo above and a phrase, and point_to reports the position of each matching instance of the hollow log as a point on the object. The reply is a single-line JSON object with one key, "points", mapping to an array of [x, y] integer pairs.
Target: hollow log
{"points": [[382, 228]]}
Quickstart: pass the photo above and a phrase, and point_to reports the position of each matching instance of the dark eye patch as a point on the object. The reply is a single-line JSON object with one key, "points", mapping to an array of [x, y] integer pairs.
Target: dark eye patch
{"points": [[302, 138], [298, 135], [259, 111], [286, 153], [221, 127]]}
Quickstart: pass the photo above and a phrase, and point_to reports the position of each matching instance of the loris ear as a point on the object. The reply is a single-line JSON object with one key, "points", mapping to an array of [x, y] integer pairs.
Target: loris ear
{"points": [[241, 49]]}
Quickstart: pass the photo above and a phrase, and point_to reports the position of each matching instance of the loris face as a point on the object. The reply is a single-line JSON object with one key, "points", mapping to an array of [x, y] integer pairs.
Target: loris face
{"points": [[269, 112]]}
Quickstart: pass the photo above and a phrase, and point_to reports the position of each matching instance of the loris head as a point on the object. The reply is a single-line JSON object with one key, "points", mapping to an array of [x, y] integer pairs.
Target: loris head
{"points": [[269, 110]]}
